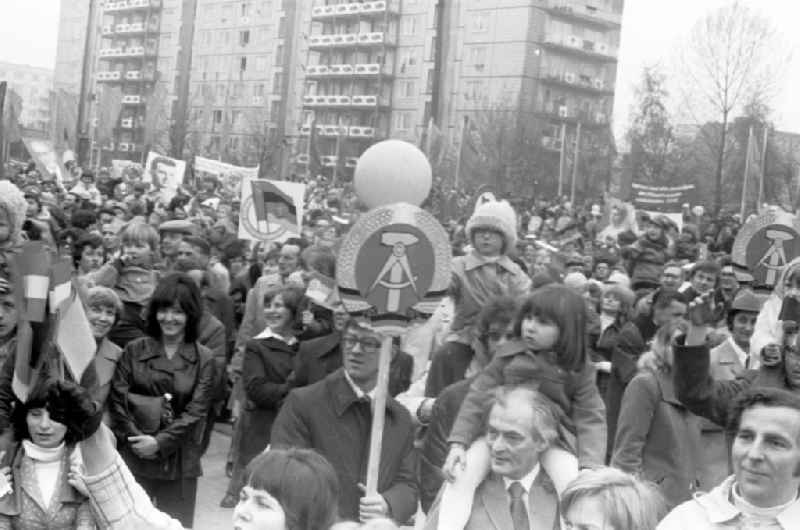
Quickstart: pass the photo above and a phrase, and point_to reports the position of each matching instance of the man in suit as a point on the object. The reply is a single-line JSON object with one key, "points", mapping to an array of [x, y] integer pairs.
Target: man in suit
{"points": [[517, 494], [334, 417]]}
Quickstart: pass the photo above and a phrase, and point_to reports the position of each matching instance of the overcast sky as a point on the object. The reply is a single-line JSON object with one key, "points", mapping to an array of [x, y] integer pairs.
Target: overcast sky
{"points": [[651, 31]]}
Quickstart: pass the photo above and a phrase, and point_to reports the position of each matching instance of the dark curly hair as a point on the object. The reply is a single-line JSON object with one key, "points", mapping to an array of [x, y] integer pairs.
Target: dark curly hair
{"points": [[38, 399]]}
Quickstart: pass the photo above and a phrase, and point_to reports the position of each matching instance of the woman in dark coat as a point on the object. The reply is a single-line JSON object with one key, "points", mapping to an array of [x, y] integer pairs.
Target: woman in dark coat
{"points": [[160, 396], [267, 377]]}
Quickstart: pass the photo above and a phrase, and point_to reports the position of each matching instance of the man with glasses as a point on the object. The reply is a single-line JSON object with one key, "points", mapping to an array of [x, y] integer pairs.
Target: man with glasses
{"points": [[334, 417]]}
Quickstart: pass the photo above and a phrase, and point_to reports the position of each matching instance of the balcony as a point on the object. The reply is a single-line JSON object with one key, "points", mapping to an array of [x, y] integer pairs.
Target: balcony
{"points": [[578, 82], [566, 114], [354, 9], [107, 77], [133, 100], [131, 5], [351, 162], [106, 53], [302, 158], [331, 130], [329, 71], [373, 38], [139, 75], [329, 160], [320, 101], [366, 100], [107, 31], [126, 123], [551, 143], [358, 131], [369, 70], [136, 28], [585, 49], [584, 12], [343, 40]]}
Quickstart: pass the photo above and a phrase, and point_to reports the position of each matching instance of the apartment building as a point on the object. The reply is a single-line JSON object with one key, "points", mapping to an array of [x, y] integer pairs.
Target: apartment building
{"points": [[139, 51], [243, 74], [71, 47], [33, 85]]}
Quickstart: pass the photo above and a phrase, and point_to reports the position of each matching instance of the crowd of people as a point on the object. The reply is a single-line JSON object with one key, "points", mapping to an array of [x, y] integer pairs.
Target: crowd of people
{"points": [[592, 367]]}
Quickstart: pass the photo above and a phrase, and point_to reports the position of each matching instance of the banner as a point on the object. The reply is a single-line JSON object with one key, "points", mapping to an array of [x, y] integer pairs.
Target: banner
{"points": [[44, 155], [120, 169], [661, 199], [229, 176], [164, 174], [271, 210]]}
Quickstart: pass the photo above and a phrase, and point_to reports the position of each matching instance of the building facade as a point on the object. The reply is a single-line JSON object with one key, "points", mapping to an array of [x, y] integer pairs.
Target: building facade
{"points": [[243, 80], [71, 48], [33, 85]]}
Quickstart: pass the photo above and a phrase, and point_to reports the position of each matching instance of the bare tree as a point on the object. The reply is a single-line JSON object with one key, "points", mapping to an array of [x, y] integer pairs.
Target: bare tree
{"points": [[732, 57]]}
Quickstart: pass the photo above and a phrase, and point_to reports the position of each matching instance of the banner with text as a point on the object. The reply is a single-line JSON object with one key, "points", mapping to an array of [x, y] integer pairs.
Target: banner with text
{"points": [[663, 199]]}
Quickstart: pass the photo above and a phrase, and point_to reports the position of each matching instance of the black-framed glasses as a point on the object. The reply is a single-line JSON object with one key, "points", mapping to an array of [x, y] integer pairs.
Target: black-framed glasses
{"points": [[368, 344]]}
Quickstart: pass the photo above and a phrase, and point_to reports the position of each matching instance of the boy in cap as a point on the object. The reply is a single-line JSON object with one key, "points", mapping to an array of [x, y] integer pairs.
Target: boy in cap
{"points": [[484, 273]]}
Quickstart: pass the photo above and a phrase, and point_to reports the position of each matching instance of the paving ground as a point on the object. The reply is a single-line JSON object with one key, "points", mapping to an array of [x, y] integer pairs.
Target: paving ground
{"points": [[212, 485]]}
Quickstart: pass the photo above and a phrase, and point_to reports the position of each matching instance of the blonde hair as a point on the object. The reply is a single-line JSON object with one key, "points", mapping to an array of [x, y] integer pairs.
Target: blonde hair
{"points": [[660, 357], [99, 296], [138, 233], [628, 503]]}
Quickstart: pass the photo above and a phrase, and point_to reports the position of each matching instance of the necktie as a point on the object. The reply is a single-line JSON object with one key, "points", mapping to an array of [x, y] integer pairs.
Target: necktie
{"points": [[519, 514]]}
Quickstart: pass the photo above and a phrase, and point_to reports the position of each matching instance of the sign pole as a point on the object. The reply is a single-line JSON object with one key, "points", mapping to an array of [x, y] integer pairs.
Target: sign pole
{"points": [[378, 416]]}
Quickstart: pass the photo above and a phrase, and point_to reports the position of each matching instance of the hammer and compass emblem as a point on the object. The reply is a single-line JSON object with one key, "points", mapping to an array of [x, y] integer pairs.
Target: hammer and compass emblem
{"points": [[396, 269]]}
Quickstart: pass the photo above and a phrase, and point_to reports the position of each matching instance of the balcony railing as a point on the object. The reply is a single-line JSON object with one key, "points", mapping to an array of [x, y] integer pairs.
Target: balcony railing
{"points": [[126, 123], [133, 100], [584, 48], [354, 9], [108, 77], [364, 100], [339, 40], [585, 12], [302, 158], [579, 82], [131, 5], [358, 131], [326, 101], [570, 115], [329, 160], [333, 70]]}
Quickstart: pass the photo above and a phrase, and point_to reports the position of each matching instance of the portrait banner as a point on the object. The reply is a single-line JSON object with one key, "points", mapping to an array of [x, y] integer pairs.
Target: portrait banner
{"points": [[164, 174]]}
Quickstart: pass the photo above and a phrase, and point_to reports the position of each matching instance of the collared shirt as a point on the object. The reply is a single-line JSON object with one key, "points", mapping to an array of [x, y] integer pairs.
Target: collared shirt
{"points": [[743, 356], [269, 334], [360, 394], [527, 483]]}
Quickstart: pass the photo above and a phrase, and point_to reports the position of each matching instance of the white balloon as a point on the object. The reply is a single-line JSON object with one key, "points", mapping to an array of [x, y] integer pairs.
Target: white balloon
{"points": [[392, 171]]}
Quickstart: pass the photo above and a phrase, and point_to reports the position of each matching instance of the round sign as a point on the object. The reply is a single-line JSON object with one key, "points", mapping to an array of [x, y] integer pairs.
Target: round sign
{"points": [[766, 244], [393, 264], [269, 231], [392, 171]]}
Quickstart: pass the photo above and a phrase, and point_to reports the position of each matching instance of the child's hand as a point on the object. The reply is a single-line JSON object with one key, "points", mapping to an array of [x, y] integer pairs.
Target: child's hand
{"points": [[455, 462]]}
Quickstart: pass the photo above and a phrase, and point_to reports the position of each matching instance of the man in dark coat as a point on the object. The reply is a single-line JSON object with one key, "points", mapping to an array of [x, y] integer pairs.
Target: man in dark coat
{"points": [[334, 417], [634, 339]]}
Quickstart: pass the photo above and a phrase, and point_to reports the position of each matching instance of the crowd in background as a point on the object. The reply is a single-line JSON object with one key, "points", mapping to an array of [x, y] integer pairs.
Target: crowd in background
{"points": [[591, 365]]}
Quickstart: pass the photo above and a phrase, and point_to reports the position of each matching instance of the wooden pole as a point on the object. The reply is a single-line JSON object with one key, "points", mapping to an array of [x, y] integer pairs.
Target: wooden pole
{"points": [[457, 179], [743, 207], [763, 173], [575, 164], [378, 416], [562, 160]]}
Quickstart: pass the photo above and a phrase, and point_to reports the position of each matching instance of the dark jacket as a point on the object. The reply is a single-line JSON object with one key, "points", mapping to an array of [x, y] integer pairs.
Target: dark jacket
{"points": [[633, 340], [220, 305], [574, 392], [316, 358], [434, 445], [327, 417], [658, 438], [189, 377], [212, 336], [449, 363], [265, 377], [646, 259], [710, 398]]}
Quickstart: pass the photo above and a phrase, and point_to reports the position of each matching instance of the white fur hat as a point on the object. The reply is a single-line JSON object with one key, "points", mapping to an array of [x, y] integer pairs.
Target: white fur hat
{"points": [[497, 215]]}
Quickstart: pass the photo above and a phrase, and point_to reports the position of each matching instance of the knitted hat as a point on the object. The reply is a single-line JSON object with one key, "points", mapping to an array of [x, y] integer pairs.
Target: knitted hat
{"points": [[498, 215]]}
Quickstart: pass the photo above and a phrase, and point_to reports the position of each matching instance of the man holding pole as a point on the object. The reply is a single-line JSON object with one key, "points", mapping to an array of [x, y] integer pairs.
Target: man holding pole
{"points": [[334, 417]]}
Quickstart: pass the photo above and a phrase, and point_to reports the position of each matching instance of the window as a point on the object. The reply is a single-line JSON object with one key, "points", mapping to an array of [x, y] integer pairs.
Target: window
{"points": [[258, 90], [220, 91], [217, 116], [279, 55], [475, 90], [434, 43], [409, 25], [478, 58], [236, 118], [408, 61], [233, 143], [409, 89], [402, 121], [480, 23], [281, 27], [238, 88], [227, 13], [429, 82], [277, 83], [243, 64], [244, 37], [261, 63], [245, 8], [274, 110]]}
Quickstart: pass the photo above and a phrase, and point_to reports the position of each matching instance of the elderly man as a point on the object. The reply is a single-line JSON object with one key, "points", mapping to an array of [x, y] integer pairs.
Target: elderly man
{"points": [[334, 417], [763, 490], [518, 494]]}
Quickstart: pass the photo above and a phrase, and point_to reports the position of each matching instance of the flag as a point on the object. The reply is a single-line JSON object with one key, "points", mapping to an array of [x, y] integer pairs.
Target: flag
{"points": [[272, 205], [472, 164], [66, 120], [13, 110], [108, 111], [74, 338]]}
